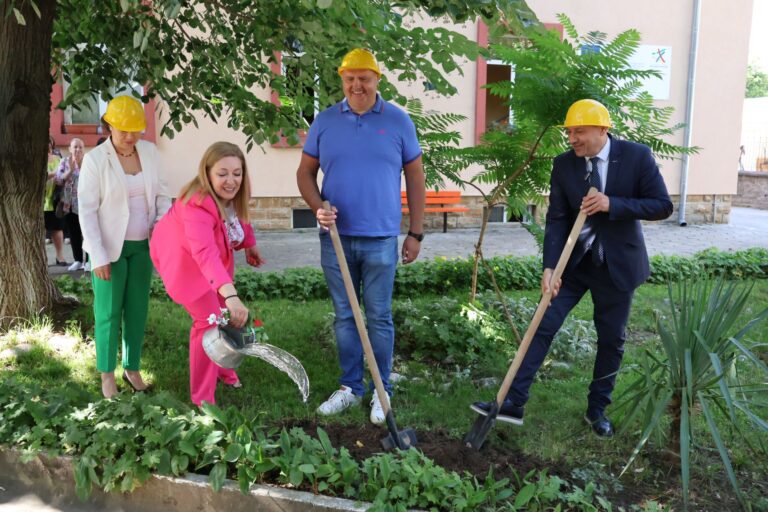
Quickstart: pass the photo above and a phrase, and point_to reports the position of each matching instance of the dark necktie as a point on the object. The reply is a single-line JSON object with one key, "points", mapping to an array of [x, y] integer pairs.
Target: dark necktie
{"points": [[598, 254]]}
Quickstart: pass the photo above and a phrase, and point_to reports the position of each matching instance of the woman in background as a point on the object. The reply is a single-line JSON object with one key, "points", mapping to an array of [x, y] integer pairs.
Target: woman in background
{"points": [[193, 250], [67, 177], [122, 195], [53, 224]]}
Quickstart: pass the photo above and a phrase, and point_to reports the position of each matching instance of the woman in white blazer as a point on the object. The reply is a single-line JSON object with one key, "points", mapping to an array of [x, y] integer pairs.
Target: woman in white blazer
{"points": [[122, 194]]}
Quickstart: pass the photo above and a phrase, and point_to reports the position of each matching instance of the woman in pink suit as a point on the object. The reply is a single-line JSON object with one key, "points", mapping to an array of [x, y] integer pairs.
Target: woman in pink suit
{"points": [[193, 247]]}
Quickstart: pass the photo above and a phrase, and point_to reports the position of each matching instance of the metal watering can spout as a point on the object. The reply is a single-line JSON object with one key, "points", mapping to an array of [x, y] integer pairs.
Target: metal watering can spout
{"points": [[227, 345]]}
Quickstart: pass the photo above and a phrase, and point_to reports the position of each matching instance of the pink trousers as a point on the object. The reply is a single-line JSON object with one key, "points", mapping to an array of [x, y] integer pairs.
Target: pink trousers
{"points": [[204, 373]]}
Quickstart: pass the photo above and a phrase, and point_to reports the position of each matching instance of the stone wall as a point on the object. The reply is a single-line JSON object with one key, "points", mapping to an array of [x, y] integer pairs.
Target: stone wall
{"points": [[275, 213], [703, 209], [752, 190]]}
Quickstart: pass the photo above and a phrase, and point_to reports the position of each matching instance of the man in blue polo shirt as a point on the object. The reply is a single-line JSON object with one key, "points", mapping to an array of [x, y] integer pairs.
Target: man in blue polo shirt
{"points": [[362, 144]]}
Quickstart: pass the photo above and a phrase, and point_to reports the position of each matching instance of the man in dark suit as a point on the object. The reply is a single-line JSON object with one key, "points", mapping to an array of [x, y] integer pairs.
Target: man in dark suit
{"points": [[609, 259]]}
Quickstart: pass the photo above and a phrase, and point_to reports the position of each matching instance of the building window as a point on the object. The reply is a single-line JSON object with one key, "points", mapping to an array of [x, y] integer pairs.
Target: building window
{"points": [[304, 218], [87, 118], [299, 84], [85, 123], [490, 110], [302, 81], [497, 112], [500, 213], [497, 213]]}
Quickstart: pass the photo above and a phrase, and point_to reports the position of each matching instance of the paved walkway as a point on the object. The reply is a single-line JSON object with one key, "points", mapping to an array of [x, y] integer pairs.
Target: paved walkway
{"points": [[300, 248]]}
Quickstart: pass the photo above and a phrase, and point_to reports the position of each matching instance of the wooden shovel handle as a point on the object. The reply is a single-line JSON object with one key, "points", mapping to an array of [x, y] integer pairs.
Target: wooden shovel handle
{"points": [[543, 304], [361, 329]]}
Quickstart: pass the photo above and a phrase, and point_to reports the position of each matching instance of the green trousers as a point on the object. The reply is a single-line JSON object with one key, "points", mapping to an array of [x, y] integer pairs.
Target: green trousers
{"points": [[124, 299]]}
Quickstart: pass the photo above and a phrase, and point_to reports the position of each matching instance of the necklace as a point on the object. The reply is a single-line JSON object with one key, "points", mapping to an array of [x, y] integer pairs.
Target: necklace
{"points": [[128, 155]]}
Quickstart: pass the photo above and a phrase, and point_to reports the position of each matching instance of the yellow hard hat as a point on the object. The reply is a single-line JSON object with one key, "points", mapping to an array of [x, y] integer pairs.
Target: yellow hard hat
{"points": [[587, 113], [125, 113], [359, 59]]}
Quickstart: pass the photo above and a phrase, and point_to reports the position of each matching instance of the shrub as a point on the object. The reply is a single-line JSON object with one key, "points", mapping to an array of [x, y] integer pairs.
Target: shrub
{"points": [[117, 444], [703, 368], [442, 275], [448, 331]]}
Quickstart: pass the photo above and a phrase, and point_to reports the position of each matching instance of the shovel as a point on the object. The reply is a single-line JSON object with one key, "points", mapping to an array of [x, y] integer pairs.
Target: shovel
{"points": [[402, 439], [479, 431]]}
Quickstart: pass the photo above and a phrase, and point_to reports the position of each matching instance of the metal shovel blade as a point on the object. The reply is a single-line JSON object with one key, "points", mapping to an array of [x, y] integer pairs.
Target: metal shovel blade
{"points": [[283, 361], [479, 431], [401, 439]]}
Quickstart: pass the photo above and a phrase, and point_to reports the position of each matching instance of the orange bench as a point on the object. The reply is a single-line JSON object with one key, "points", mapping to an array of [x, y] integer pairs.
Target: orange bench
{"points": [[439, 202]]}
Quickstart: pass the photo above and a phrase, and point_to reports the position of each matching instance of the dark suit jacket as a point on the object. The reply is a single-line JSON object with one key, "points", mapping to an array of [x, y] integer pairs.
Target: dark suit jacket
{"points": [[636, 191]]}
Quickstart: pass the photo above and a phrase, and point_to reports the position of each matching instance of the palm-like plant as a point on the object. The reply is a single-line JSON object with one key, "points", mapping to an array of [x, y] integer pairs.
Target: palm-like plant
{"points": [[701, 368], [551, 73]]}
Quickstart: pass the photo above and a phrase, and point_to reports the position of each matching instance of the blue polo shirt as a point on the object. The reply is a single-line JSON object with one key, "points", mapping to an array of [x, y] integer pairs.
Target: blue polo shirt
{"points": [[362, 157]]}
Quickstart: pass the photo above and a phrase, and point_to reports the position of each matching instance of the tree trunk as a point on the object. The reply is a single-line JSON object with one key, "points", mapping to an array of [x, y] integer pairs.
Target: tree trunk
{"points": [[479, 251], [25, 104]]}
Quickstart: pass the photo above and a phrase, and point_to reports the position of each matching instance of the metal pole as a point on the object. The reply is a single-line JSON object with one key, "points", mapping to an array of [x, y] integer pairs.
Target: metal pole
{"points": [[689, 108]]}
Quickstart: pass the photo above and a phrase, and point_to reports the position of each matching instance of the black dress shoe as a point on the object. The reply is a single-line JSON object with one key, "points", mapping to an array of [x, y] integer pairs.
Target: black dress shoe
{"points": [[508, 412], [147, 389], [601, 426]]}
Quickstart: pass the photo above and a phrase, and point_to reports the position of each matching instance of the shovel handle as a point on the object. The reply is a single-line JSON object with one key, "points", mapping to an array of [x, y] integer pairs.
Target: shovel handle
{"points": [[546, 298], [361, 329]]}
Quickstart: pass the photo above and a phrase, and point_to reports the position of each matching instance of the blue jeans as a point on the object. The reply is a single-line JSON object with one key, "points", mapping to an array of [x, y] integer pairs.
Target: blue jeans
{"points": [[372, 263]]}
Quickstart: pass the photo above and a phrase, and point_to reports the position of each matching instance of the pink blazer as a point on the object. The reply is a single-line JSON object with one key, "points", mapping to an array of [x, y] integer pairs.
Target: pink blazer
{"points": [[190, 249]]}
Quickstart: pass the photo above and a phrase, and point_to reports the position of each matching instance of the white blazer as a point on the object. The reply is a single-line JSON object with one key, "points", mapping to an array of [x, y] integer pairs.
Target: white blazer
{"points": [[103, 199]]}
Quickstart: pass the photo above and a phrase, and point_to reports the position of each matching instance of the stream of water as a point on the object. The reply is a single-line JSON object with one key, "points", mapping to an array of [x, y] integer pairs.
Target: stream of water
{"points": [[283, 361]]}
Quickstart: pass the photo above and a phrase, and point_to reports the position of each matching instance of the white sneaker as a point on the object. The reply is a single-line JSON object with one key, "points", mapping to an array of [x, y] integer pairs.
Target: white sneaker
{"points": [[75, 266], [87, 266], [340, 400], [377, 412]]}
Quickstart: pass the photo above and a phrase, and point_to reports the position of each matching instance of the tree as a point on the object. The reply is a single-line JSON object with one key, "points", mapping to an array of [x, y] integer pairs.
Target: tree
{"points": [[25, 92], [549, 75], [200, 58], [757, 82]]}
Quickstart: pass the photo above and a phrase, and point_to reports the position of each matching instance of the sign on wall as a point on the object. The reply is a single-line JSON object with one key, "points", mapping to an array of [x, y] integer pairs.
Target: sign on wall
{"points": [[657, 58]]}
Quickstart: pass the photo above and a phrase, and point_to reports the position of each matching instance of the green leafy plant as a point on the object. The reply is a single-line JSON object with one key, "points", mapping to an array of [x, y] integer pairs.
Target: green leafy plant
{"points": [[436, 139], [446, 275], [551, 73], [702, 371], [117, 444], [449, 332]]}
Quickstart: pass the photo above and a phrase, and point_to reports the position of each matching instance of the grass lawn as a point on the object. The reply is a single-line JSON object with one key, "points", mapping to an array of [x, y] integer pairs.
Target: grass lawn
{"points": [[429, 399]]}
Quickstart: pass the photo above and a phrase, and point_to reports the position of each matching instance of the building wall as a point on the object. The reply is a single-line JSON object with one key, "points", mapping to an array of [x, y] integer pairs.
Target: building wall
{"points": [[753, 190], [720, 83]]}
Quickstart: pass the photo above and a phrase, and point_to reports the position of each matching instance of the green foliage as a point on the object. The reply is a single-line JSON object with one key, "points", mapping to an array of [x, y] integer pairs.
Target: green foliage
{"points": [[747, 264], [117, 444], [214, 61], [550, 74], [703, 369], [436, 140], [442, 275], [757, 82], [449, 332]]}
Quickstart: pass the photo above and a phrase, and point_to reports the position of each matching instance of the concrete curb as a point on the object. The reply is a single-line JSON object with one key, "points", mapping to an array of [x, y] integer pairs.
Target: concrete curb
{"points": [[47, 484]]}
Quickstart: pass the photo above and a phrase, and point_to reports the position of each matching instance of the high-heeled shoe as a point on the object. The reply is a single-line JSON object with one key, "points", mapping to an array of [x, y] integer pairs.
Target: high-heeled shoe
{"points": [[147, 389]]}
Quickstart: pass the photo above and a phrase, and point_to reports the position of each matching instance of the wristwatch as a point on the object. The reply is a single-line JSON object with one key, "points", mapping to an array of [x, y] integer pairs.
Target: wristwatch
{"points": [[418, 236]]}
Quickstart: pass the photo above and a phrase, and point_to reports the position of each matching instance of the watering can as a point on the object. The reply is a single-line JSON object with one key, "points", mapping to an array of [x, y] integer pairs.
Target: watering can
{"points": [[227, 346]]}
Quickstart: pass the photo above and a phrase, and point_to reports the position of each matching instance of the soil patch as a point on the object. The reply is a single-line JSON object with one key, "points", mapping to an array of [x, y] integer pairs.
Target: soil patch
{"points": [[363, 441]]}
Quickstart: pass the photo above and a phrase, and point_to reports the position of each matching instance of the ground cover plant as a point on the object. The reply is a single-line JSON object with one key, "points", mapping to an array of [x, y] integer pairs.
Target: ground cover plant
{"points": [[432, 397]]}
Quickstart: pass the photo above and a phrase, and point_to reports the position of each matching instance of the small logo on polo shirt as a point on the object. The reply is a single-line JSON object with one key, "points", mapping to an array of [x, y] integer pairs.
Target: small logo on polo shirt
{"points": [[382, 132]]}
